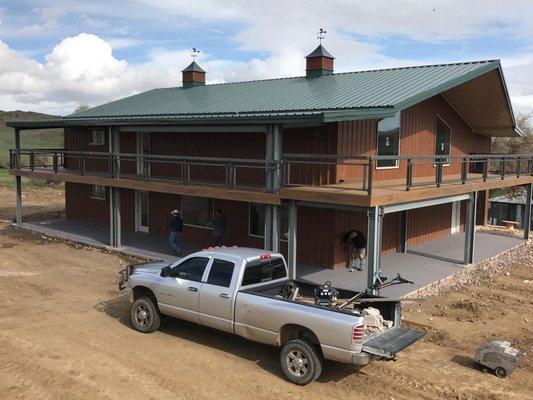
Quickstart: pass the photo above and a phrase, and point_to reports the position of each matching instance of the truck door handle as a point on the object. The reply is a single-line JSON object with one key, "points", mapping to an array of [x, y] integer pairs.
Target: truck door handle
{"points": [[224, 295], [193, 289]]}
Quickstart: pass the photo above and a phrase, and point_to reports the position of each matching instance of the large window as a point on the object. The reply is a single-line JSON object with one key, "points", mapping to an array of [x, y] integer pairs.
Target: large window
{"points": [[256, 225], [97, 192], [263, 271], [389, 140], [97, 137], [443, 135], [197, 211]]}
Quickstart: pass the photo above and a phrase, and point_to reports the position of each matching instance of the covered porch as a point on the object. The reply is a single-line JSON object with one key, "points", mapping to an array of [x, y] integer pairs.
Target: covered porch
{"points": [[423, 264]]}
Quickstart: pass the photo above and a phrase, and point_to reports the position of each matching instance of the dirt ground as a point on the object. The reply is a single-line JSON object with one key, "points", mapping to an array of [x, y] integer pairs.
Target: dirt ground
{"points": [[65, 333]]}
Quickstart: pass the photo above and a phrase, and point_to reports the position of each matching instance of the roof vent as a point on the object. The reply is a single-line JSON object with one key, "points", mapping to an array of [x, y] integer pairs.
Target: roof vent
{"points": [[193, 75], [319, 63]]}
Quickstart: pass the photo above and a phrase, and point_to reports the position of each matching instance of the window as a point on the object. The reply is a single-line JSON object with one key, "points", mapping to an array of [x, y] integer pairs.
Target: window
{"points": [[443, 135], [97, 137], [97, 192], [389, 141], [264, 271], [197, 211], [191, 269], [221, 273], [256, 221]]}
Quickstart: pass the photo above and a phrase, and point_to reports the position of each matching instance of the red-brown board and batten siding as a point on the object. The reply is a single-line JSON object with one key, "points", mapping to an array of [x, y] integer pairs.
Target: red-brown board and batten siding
{"points": [[319, 230]]}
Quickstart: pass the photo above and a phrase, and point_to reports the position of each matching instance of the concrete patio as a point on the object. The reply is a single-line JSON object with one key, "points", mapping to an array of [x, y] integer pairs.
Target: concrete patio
{"points": [[423, 264]]}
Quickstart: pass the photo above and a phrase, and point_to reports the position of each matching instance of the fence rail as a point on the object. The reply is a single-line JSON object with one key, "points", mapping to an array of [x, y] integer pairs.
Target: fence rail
{"points": [[360, 172]]}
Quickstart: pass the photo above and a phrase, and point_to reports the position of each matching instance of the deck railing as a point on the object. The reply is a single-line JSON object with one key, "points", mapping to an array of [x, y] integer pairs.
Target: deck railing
{"points": [[353, 172]]}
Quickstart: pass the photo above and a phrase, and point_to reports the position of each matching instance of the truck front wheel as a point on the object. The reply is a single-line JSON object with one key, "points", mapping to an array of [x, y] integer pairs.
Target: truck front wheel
{"points": [[300, 362], [144, 315]]}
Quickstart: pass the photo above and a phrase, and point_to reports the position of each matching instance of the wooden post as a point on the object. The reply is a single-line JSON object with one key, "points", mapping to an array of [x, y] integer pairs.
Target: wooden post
{"points": [[292, 249]]}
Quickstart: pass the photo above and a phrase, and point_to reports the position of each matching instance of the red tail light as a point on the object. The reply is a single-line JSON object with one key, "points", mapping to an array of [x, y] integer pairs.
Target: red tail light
{"points": [[265, 256], [358, 333]]}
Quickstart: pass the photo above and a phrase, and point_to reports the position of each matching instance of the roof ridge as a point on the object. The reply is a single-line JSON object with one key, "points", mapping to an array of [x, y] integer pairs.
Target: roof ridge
{"points": [[337, 73]]}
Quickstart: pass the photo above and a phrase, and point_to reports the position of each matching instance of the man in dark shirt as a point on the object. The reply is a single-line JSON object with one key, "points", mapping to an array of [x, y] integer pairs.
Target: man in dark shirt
{"points": [[356, 243], [176, 227], [219, 227]]}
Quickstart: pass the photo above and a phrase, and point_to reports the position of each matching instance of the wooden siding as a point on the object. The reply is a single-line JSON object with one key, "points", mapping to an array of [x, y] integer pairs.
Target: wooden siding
{"points": [[80, 206]]}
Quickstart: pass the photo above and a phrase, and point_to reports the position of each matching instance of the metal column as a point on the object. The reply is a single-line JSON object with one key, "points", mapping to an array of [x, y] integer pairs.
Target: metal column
{"points": [[404, 221], [273, 180], [18, 180], [470, 228], [527, 214], [374, 228], [293, 223], [115, 228]]}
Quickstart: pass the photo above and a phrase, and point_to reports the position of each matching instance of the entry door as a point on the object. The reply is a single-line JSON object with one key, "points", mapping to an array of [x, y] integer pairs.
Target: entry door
{"points": [[179, 294], [141, 211], [216, 296], [456, 217]]}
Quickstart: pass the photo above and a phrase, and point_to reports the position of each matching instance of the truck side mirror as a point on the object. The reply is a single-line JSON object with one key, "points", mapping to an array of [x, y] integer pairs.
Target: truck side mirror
{"points": [[166, 271]]}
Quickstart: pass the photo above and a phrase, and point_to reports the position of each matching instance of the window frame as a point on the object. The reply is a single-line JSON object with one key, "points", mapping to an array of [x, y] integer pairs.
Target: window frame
{"points": [[263, 236], [181, 262], [92, 142], [233, 274], [210, 224], [437, 117], [399, 144], [94, 196]]}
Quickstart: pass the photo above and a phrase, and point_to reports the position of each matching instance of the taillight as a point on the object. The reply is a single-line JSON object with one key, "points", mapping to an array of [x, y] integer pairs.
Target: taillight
{"points": [[265, 256], [358, 333]]}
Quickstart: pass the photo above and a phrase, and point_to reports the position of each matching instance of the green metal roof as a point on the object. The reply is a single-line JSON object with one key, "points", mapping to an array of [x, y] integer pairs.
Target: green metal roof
{"points": [[336, 97]]}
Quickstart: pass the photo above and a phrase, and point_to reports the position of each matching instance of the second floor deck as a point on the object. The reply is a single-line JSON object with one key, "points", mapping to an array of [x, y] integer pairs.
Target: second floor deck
{"points": [[337, 179]]}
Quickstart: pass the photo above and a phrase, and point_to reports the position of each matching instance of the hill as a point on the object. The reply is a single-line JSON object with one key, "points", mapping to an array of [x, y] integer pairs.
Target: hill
{"points": [[52, 138]]}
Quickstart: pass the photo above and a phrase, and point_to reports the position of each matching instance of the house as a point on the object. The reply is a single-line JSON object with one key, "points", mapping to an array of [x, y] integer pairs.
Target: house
{"points": [[402, 154], [508, 208]]}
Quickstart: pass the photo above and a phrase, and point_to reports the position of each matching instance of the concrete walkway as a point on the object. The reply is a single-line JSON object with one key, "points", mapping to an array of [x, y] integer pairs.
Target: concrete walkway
{"points": [[423, 264]]}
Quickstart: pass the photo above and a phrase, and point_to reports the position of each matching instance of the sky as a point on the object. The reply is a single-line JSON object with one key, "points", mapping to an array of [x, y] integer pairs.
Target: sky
{"points": [[58, 54]]}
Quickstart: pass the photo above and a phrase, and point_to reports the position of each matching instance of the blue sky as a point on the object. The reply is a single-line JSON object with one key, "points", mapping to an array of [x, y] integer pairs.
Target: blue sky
{"points": [[56, 54]]}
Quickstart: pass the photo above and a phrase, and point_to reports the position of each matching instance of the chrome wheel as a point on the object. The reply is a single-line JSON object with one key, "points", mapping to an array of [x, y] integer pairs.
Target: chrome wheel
{"points": [[297, 362], [142, 315]]}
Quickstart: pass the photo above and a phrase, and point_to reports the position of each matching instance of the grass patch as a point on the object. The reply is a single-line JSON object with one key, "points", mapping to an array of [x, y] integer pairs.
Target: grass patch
{"points": [[45, 138]]}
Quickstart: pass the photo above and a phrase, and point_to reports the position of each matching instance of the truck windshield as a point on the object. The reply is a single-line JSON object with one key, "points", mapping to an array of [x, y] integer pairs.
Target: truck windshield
{"points": [[260, 271]]}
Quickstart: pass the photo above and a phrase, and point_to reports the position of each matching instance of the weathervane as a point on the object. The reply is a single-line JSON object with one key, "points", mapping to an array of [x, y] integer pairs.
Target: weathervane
{"points": [[194, 53], [321, 34]]}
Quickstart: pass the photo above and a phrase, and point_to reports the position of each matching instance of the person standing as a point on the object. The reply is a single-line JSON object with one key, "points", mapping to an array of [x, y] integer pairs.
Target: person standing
{"points": [[357, 249], [176, 227], [220, 222]]}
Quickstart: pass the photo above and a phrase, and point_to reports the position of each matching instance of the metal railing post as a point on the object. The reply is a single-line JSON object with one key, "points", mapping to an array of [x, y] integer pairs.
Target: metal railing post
{"points": [[32, 160], [81, 165], [370, 176], [55, 163], [464, 170], [409, 178], [502, 176], [146, 165], [485, 169], [438, 171], [518, 167]]}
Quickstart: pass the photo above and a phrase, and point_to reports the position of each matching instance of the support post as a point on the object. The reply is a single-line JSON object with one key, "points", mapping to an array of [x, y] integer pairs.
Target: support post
{"points": [[527, 213], [273, 181], [293, 223], [402, 245], [470, 228], [375, 218], [115, 227], [18, 179]]}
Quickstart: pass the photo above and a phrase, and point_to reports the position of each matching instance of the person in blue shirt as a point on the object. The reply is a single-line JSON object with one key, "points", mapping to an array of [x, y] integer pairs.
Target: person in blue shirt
{"points": [[176, 227]]}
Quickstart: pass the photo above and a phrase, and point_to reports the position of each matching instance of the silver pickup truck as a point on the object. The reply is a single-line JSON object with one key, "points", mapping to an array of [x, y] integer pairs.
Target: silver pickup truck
{"points": [[247, 292]]}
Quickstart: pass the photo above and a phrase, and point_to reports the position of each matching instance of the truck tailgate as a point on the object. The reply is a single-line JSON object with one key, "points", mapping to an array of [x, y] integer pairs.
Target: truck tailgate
{"points": [[391, 342]]}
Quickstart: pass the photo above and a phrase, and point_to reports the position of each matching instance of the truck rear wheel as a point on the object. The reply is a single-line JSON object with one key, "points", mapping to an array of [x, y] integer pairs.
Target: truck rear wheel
{"points": [[301, 362], [500, 372], [144, 315]]}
